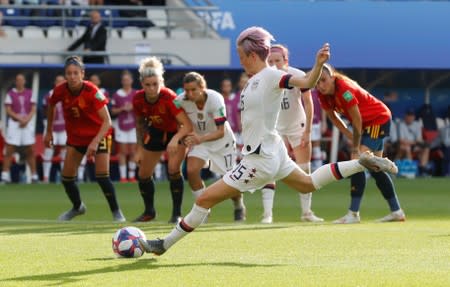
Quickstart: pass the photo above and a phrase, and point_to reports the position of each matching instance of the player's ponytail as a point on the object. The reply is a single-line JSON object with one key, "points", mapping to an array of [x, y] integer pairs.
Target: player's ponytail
{"points": [[333, 73]]}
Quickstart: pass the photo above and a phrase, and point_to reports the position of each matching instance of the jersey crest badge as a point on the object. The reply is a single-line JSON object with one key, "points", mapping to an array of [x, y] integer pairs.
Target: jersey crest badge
{"points": [[200, 116], [347, 96], [99, 96], [177, 103], [222, 111], [255, 84]]}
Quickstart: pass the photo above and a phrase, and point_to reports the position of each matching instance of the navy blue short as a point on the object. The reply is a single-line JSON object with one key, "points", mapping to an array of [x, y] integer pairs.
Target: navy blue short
{"points": [[373, 136], [104, 146], [156, 139]]}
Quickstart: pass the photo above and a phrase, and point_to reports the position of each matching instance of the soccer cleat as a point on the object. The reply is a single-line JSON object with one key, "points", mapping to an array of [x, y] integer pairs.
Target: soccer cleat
{"points": [[240, 214], [175, 219], [144, 217], [118, 216], [310, 217], [123, 180], [132, 179], [349, 218], [68, 215], [376, 163], [397, 215], [267, 219], [152, 246]]}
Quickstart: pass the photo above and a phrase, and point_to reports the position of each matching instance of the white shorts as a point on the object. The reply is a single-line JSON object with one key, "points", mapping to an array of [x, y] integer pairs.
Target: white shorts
{"points": [[316, 133], [293, 138], [125, 136], [220, 161], [59, 138], [17, 136], [256, 170]]}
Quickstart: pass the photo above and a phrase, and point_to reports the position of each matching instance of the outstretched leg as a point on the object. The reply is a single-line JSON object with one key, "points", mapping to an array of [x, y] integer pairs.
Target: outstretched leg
{"points": [[214, 194]]}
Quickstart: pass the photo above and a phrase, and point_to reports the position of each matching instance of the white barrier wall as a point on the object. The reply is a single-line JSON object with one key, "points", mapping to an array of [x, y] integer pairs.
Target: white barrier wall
{"points": [[198, 52]]}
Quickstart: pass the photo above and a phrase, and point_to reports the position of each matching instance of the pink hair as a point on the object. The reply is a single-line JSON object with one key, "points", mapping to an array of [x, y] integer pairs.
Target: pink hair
{"points": [[257, 40]]}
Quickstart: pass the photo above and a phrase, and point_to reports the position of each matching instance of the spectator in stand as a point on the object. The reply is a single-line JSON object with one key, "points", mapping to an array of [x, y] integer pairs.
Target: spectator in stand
{"points": [[391, 141], [2, 32], [93, 39], [95, 79], [140, 13], [59, 133], [411, 142], [96, 2], [445, 140], [243, 79], [232, 102], [20, 106], [125, 127]]}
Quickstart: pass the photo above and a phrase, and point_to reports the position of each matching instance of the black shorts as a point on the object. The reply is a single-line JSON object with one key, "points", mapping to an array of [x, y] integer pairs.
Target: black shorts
{"points": [[156, 139], [104, 146]]}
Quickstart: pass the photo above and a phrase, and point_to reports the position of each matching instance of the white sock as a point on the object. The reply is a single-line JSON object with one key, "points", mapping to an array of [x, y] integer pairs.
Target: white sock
{"points": [[81, 168], [123, 171], [305, 198], [47, 162], [267, 198], [332, 172], [198, 192], [316, 158], [131, 169], [191, 221], [305, 202]]}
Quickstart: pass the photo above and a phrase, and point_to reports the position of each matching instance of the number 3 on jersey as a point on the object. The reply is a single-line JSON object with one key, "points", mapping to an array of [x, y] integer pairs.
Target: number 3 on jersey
{"points": [[75, 112]]}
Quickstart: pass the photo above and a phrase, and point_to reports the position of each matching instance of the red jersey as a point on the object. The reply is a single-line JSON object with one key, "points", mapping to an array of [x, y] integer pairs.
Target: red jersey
{"points": [[162, 113], [348, 94], [80, 112]]}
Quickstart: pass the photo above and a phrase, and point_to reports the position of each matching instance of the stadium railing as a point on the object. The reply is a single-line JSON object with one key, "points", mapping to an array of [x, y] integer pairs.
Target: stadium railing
{"points": [[166, 58], [114, 16]]}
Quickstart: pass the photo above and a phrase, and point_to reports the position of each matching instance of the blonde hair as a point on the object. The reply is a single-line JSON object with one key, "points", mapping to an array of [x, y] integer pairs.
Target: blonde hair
{"points": [[150, 67]]}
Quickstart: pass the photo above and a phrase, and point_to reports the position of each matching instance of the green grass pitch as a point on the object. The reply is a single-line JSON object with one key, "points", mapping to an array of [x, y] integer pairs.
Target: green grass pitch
{"points": [[36, 250]]}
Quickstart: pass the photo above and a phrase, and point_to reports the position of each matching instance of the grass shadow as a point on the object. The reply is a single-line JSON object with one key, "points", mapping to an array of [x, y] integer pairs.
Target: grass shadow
{"points": [[64, 229], [61, 278]]}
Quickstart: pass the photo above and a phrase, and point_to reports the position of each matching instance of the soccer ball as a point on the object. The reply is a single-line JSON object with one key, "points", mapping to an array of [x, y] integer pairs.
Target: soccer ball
{"points": [[125, 242]]}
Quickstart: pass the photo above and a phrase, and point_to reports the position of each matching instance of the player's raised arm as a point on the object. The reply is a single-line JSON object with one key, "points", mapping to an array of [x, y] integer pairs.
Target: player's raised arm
{"points": [[310, 79]]}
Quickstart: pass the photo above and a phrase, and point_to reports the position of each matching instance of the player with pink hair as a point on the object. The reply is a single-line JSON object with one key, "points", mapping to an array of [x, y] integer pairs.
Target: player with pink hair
{"points": [[265, 158]]}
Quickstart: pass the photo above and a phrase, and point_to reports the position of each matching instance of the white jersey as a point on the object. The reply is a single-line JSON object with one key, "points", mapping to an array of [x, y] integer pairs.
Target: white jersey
{"points": [[292, 115], [260, 107], [206, 120]]}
